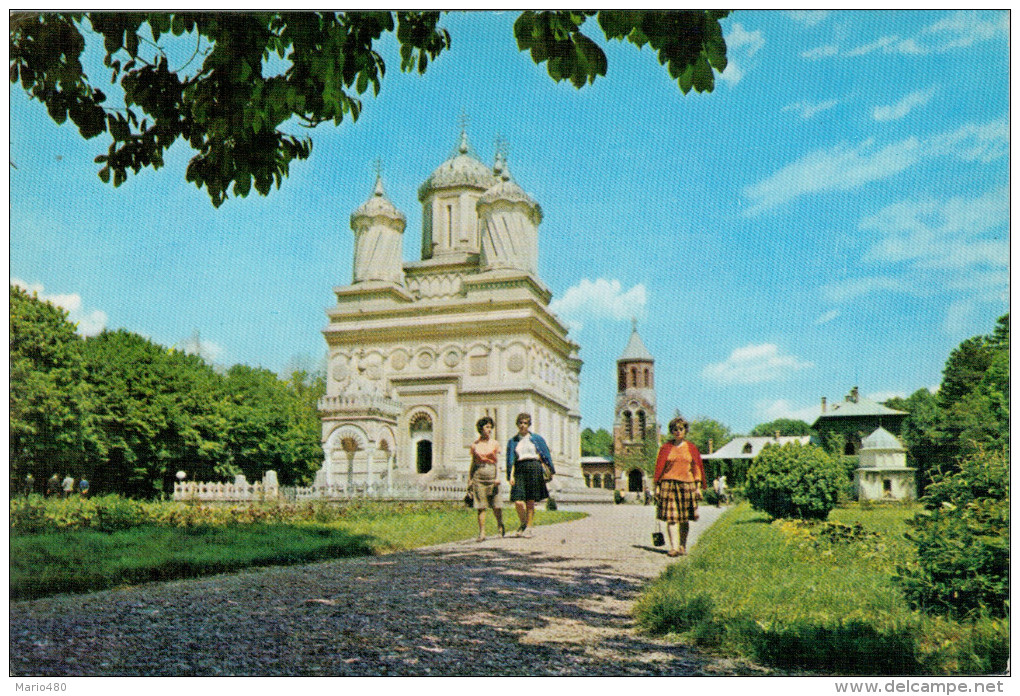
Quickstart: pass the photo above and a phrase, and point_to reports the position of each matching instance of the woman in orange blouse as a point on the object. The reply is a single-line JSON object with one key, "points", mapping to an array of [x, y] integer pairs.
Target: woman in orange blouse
{"points": [[679, 479]]}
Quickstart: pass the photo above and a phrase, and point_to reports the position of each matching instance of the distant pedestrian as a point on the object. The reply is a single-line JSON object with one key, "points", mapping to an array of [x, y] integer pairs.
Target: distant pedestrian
{"points": [[679, 479], [68, 486], [53, 485], [83, 487], [29, 485], [527, 457], [483, 477], [720, 490]]}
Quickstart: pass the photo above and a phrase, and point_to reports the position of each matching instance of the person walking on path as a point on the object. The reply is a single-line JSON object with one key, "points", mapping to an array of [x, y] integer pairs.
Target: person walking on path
{"points": [[483, 477], [679, 479], [68, 486], [53, 486], [526, 455], [83, 487]]}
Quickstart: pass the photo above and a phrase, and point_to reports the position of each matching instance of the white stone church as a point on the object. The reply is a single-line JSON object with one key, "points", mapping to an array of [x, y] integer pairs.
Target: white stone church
{"points": [[419, 351]]}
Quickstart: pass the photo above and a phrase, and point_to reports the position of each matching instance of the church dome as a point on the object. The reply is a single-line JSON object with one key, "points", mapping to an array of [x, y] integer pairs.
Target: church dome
{"points": [[881, 439], [462, 169], [506, 189], [378, 206]]}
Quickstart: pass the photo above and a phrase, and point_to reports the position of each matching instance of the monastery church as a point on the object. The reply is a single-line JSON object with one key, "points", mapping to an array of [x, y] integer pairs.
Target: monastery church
{"points": [[419, 351]]}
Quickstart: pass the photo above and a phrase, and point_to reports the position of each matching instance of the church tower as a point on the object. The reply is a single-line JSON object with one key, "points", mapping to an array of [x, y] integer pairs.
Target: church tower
{"points": [[635, 430]]}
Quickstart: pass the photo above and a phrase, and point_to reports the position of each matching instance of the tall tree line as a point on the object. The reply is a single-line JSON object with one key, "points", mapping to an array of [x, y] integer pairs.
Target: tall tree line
{"points": [[970, 411], [128, 414]]}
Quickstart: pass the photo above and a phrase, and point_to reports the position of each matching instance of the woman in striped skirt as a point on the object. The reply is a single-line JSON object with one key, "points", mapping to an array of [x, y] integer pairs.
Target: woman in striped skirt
{"points": [[679, 479]]}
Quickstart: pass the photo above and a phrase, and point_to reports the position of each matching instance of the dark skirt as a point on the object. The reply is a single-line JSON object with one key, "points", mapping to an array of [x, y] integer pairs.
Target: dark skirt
{"points": [[529, 483], [677, 501]]}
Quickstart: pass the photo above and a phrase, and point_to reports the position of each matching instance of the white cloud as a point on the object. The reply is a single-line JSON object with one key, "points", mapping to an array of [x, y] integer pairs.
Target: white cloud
{"points": [[964, 29], [195, 345], [903, 106], [841, 168], [820, 52], [881, 396], [752, 364], [770, 410], [806, 109], [827, 317], [89, 322], [844, 167], [808, 18], [741, 45], [957, 247], [599, 299], [959, 30], [975, 142]]}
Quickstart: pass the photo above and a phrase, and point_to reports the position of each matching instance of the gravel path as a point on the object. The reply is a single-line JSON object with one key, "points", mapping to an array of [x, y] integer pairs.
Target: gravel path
{"points": [[556, 604]]}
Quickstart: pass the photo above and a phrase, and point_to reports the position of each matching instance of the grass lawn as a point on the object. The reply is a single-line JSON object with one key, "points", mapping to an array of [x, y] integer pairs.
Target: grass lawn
{"points": [[782, 595], [53, 562]]}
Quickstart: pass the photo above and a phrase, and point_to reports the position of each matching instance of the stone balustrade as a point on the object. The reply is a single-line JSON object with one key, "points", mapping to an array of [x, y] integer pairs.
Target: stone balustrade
{"points": [[210, 492]]}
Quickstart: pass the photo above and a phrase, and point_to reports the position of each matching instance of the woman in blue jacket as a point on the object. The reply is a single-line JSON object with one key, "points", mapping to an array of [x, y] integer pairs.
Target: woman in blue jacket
{"points": [[525, 454]]}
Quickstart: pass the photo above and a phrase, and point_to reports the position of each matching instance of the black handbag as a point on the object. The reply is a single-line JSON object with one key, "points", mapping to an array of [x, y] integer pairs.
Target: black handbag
{"points": [[469, 498], [658, 539]]}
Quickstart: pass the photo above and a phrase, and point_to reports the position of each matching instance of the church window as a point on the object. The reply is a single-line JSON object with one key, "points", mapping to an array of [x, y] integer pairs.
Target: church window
{"points": [[648, 379], [587, 480], [628, 425], [633, 377], [641, 425], [622, 382], [449, 226]]}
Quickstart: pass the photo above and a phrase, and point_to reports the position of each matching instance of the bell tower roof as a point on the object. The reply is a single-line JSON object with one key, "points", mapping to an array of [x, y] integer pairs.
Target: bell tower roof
{"points": [[635, 350], [506, 189]]}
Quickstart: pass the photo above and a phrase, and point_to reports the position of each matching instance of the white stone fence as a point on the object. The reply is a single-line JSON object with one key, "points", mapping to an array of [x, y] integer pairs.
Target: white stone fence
{"points": [[268, 489]]}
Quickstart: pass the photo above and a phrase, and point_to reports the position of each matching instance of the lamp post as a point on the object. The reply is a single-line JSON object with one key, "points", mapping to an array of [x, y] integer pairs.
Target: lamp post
{"points": [[180, 479]]}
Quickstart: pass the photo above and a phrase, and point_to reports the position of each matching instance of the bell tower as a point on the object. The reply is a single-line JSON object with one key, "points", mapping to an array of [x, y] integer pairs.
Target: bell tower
{"points": [[635, 429]]}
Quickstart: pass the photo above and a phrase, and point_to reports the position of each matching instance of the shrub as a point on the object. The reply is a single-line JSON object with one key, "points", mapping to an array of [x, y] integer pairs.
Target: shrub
{"points": [[550, 504], [795, 480], [617, 497], [962, 540], [711, 497]]}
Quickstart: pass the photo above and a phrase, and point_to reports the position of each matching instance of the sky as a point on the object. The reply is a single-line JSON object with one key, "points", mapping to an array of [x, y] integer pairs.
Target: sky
{"points": [[834, 214]]}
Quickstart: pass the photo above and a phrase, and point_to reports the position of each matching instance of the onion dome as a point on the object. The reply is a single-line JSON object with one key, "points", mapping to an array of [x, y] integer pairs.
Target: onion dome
{"points": [[378, 206], [506, 189], [461, 169]]}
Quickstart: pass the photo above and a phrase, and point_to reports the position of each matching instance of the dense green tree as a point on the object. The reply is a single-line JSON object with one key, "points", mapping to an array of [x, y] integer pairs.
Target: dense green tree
{"points": [[272, 425], [50, 429], [965, 367], [921, 434], [708, 435], [159, 412], [262, 71], [784, 426], [596, 443]]}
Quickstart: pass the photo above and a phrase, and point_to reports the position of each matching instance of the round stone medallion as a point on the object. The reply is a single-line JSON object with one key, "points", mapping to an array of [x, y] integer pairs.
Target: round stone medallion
{"points": [[424, 361], [398, 361], [452, 358], [515, 363]]}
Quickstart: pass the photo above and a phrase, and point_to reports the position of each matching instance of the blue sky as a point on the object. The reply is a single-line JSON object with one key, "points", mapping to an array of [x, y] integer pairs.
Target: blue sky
{"points": [[834, 214]]}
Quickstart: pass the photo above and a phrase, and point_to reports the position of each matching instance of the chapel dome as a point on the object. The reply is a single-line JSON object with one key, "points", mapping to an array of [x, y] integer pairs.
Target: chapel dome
{"points": [[506, 189], [881, 439], [461, 169], [378, 206]]}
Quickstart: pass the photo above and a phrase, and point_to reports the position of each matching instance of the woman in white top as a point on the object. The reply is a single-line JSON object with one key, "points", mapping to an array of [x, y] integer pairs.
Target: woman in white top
{"points": [[526, 453]]}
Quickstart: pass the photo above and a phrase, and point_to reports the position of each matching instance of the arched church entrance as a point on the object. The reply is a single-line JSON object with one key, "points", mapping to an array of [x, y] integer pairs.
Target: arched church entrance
{"points": [[636, 481], [421, 437], [423, 455]]}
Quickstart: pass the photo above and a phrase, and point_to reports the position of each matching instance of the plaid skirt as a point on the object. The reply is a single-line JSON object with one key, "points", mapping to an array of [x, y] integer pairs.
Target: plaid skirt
{"points": [[676, 502]]}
